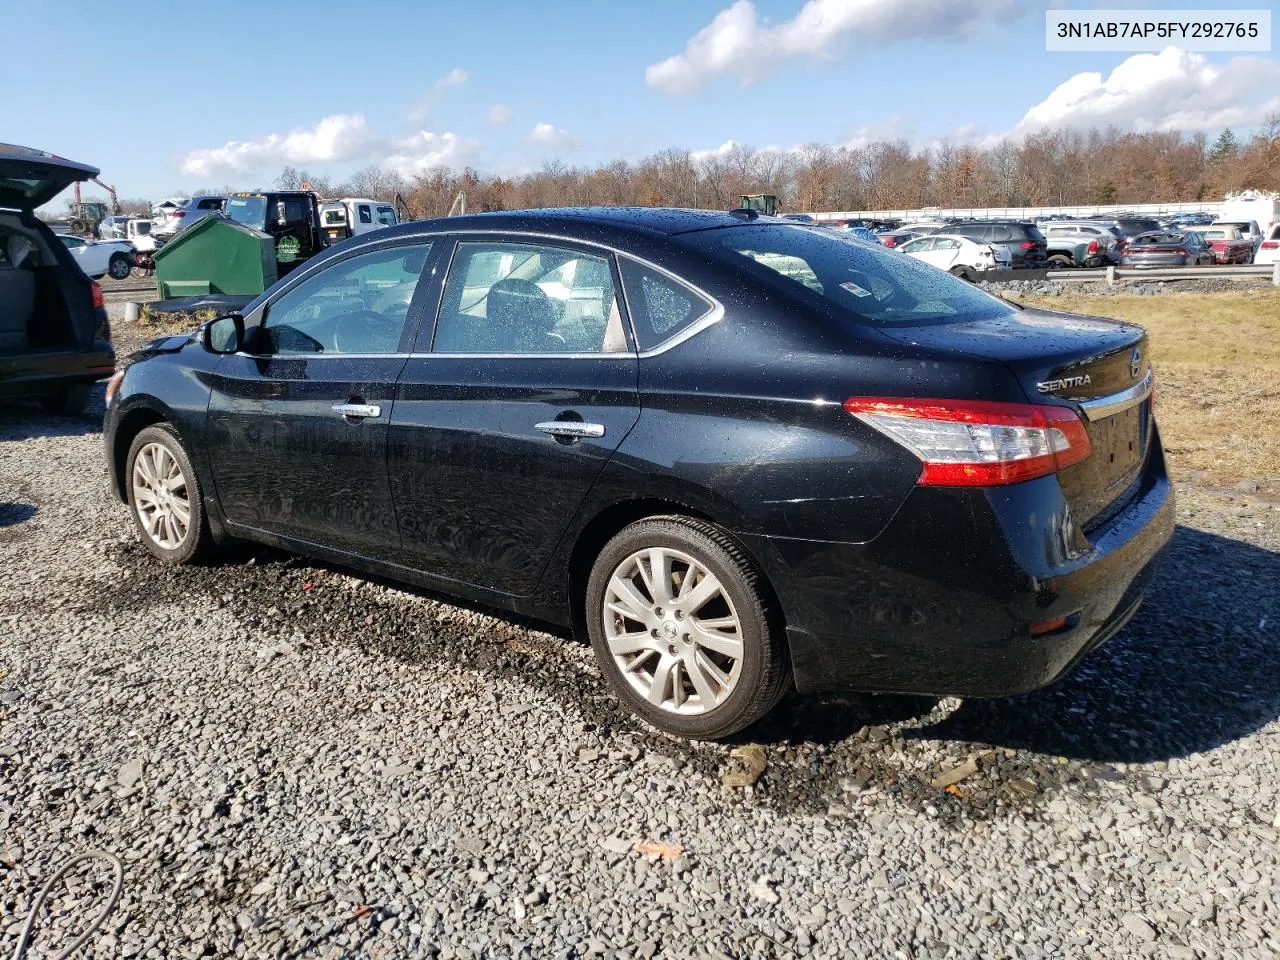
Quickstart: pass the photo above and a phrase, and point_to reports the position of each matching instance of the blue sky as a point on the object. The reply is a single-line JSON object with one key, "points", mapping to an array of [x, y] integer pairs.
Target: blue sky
{"points": [[407, 84]]}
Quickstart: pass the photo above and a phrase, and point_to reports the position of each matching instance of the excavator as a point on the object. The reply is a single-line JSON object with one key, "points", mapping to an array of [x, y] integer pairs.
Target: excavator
{"points": [[86, 216]]}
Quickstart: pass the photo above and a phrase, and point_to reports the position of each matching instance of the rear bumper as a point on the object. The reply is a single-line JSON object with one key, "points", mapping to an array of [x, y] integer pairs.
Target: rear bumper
{"points": [[39, 372], [942, 601]]}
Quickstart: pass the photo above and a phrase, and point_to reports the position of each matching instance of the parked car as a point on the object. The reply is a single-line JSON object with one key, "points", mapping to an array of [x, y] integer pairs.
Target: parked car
{"points": [[860, 233], [55, 342], [1249, 229], [193, 211], [113, 228], [1022, 240], [1164, 248], [958, 255], [1132, 226], [1227, 243], [1269, 249], [98, 258], [932, 490], [1081, 244], [897, 238]]}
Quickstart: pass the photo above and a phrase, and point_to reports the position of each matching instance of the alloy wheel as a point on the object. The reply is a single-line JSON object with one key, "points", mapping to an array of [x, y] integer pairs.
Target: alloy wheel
{"points": [[673, 631], [160, 496]]}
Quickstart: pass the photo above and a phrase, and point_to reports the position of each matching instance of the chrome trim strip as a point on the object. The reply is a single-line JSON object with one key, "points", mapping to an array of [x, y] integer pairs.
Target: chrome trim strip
{"points": [[1100, 408], [574, 429]]}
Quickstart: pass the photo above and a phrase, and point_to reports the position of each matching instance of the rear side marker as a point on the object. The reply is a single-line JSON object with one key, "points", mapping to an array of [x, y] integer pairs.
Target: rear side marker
{"points": [[977, 443]]}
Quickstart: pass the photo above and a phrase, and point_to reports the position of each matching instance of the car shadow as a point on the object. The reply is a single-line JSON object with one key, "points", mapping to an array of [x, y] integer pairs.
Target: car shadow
{"points": [[1198, 667], [12, 514], [26, 419]]}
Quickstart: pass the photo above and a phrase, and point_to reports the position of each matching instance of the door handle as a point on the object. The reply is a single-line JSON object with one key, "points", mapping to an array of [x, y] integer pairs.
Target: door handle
{"points": [[570, 429], [358, 410]]}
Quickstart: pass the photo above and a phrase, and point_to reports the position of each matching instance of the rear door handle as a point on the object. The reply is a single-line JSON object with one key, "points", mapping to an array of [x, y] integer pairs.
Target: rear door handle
{"points": [[358, 410], [574, 429]]}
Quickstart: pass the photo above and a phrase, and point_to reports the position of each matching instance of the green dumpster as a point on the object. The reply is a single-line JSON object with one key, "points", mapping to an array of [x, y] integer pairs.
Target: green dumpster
{"points": [[216, 255]]}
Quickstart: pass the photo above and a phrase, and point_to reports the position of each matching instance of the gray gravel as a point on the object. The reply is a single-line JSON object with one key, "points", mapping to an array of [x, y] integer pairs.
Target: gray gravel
{"points": [[1058, 288], [292, 762]]}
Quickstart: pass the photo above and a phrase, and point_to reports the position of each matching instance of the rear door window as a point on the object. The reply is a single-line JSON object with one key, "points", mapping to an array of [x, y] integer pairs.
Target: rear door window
{"points": [[366, 215], [530, 299]]}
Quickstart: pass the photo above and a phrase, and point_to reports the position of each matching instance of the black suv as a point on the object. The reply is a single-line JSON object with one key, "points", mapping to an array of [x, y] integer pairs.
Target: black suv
{"points": [[54, 338], [1024, 241]]}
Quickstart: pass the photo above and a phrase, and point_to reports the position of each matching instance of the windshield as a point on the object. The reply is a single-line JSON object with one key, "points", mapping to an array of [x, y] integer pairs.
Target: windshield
{"points": [[873, 284], [251, 211]]}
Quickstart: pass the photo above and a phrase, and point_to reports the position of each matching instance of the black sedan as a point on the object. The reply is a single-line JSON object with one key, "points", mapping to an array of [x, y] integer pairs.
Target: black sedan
{"points": [[740, 454]]}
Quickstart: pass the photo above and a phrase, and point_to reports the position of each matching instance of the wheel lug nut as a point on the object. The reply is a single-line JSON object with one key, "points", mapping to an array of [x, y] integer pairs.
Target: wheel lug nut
{"points": [[658, 611], [679, 614]]}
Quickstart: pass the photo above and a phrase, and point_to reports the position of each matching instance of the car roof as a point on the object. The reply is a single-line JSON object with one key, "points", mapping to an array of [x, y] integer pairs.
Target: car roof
{"points": [[665, 220]]}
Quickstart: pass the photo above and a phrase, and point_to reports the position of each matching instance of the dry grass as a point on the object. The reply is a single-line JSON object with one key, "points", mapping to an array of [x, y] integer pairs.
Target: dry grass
{"points": [[1217, 360]]}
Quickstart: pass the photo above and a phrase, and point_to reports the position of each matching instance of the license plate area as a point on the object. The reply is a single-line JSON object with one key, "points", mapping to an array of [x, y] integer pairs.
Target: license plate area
{"points": [[1118, 449]]}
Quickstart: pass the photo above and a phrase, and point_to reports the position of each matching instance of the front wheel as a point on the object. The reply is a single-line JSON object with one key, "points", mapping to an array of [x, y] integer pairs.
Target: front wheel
{"points": [[164, 496], [683, 630], [118, 267]]}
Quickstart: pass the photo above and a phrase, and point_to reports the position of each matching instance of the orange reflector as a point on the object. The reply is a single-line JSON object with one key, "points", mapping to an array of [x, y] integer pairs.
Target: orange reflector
{"points": [[1048, 626]]}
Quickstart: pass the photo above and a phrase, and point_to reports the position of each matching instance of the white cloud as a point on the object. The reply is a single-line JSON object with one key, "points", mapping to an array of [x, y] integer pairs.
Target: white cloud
{"points": [[334, 139], [454, 78], [499, 114], [1170, 90], [425, 150], [550, 136], [738, 42]]}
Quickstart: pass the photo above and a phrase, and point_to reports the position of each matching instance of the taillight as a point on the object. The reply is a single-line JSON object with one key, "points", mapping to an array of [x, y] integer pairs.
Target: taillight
{"points": [[1270, 244], [977, 443], [178, 214], [1027, 245], [1093, 246], [890, 241], [98, 302], [1180, 252]]}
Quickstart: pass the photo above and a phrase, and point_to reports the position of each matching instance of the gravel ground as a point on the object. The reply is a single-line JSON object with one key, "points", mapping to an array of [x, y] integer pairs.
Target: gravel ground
{"points": [[1058, 288], [294, 762]]}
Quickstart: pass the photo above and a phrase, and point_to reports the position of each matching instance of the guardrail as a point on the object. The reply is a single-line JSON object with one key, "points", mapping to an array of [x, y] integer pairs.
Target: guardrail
{"points": [[1113, 274]]}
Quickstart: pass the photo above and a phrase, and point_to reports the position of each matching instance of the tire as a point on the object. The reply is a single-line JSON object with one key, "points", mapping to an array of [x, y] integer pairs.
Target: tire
{"points": [[118, 267], [67, 401], [1064, 262], [964, 273], [157, 453], [142, 273], [734, 691]]}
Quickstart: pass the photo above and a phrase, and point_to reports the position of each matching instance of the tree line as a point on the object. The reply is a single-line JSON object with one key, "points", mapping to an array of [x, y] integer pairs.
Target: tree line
{"points": [[1048, 169]]}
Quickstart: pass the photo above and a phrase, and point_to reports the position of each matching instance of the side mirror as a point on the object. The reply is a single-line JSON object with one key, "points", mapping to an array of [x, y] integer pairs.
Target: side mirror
{"points": [[223, 334], [281, 218]]}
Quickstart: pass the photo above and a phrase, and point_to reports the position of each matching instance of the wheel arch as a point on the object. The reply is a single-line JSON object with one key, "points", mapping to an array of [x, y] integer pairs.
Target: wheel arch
{"points": [[129, 424]]}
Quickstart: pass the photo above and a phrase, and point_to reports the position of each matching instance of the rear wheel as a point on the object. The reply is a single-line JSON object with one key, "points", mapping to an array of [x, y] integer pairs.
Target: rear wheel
{"points": [[118, 267], [1060, 261], [964, 273], [681, 625], [67, 401], [164, 496]]}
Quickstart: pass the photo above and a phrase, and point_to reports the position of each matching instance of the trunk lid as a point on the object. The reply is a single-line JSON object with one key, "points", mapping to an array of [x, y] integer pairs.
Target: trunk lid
{"points": [[31, 178], [1073, 360]]}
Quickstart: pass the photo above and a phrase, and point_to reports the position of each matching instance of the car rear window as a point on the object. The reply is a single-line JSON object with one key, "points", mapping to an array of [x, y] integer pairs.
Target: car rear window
{"points": [[872, 284]]}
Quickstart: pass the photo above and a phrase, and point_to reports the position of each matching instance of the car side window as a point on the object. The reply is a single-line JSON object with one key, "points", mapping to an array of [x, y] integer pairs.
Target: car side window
{"points": [[999, 233], [528, 298], [662, 306], [71, 242], [946, 244], [209, 205], [356, 305], [923, 245], [366, 215]]}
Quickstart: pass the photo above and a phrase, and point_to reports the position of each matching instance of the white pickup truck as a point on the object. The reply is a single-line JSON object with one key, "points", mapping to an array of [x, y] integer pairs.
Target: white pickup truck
{"points": [[98, 258]]}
